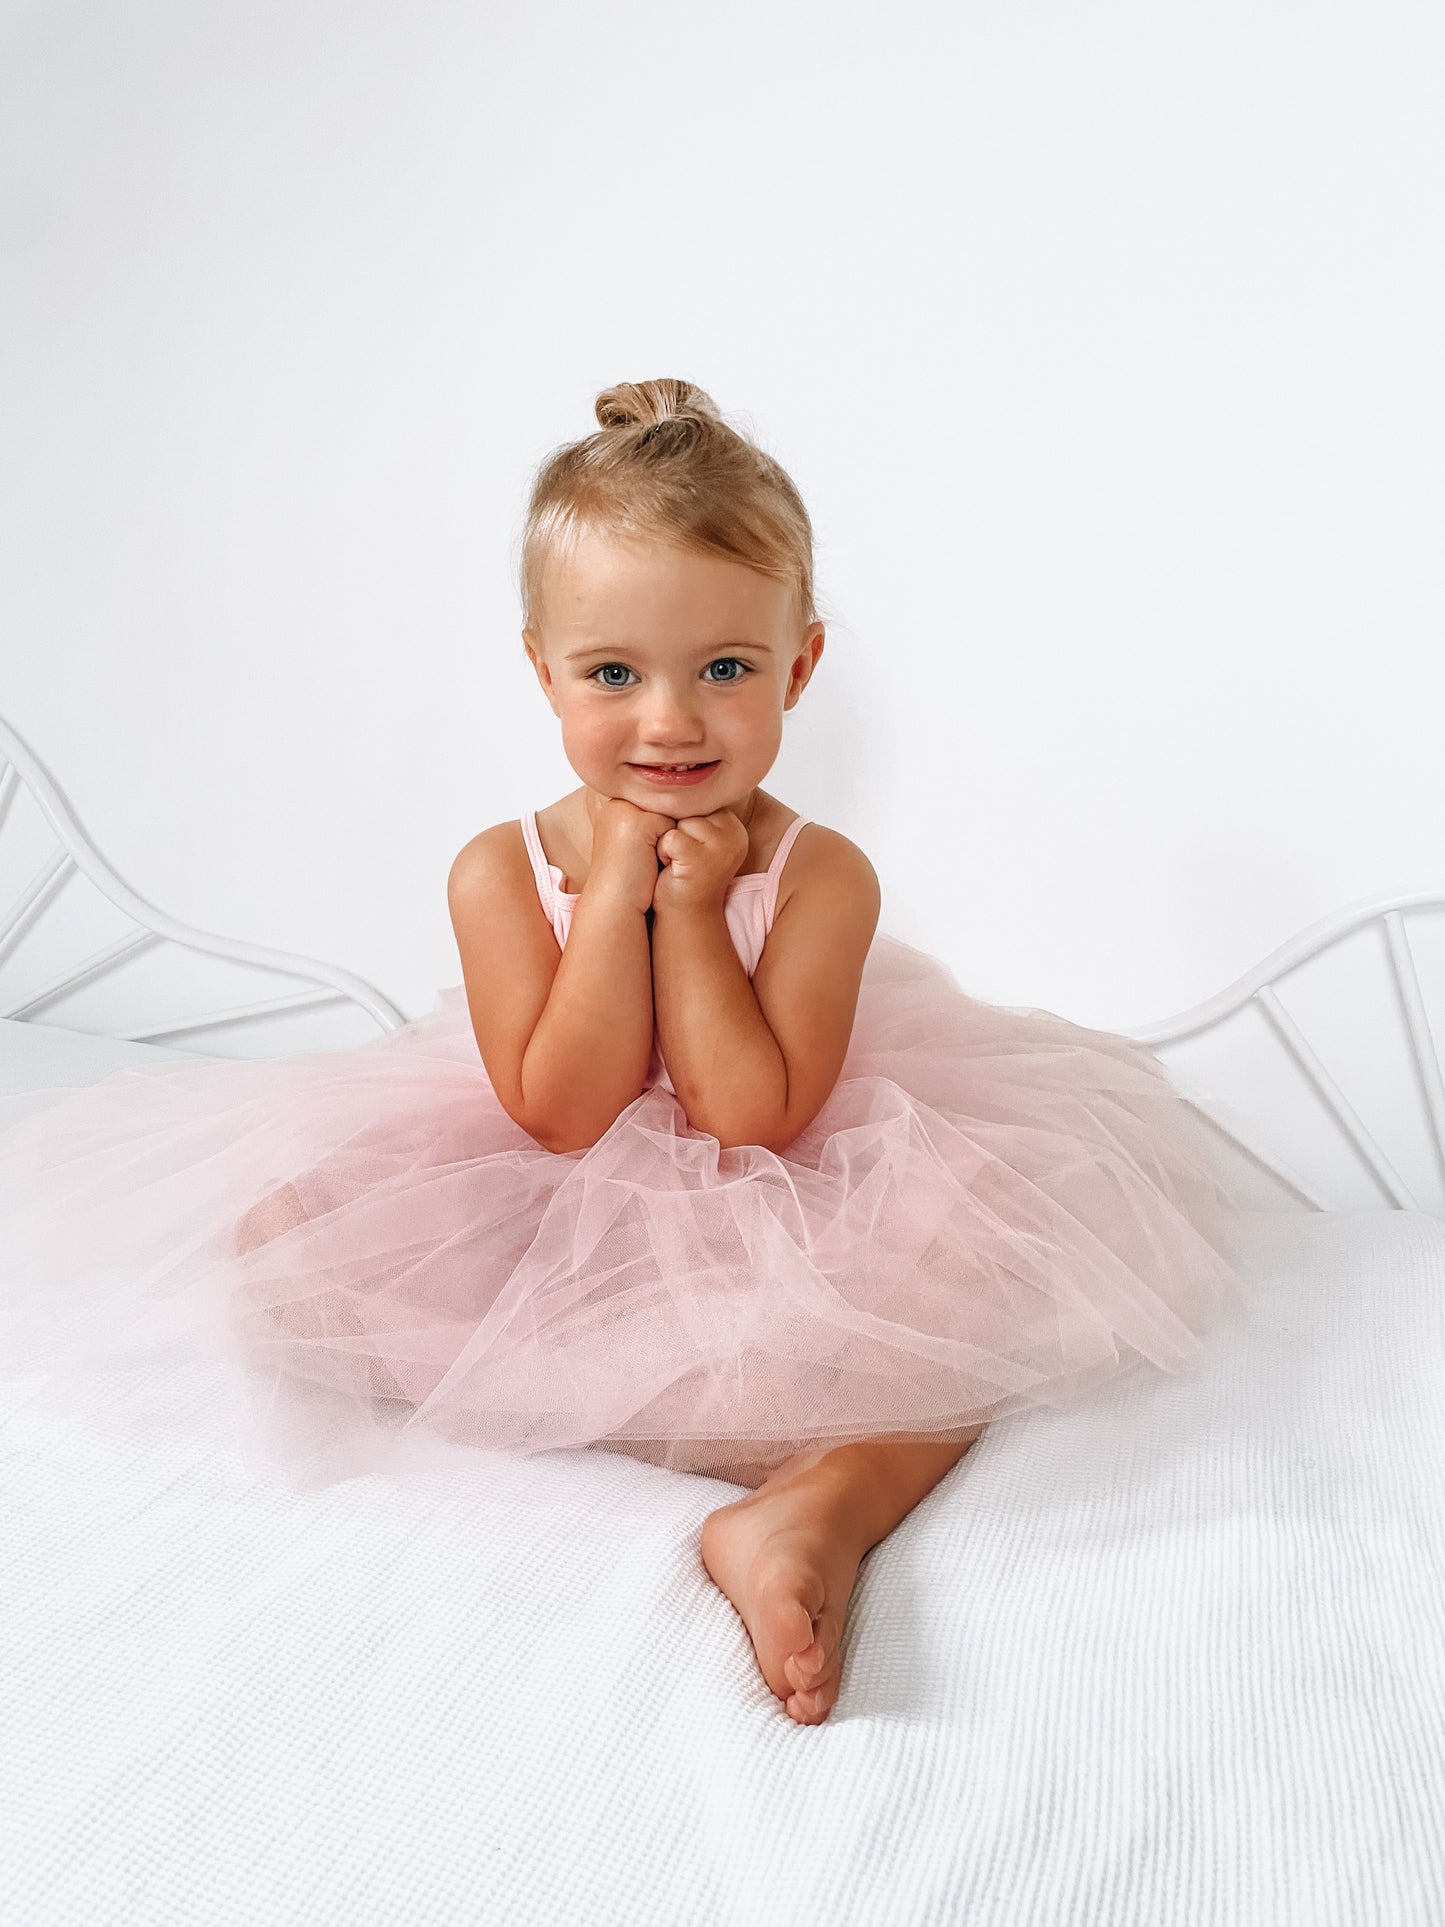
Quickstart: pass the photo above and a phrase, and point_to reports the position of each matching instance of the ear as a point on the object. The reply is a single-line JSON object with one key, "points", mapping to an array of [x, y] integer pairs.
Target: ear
{"points": [[804, 663], [532, 643]]}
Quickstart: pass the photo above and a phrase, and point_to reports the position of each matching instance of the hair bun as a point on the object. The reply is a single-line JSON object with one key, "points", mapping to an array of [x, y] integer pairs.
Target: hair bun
{"points": [[646, 404], [667, 466]]}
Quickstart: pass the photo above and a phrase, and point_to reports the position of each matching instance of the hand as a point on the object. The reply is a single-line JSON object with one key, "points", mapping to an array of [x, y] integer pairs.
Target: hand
{"points": [[624, 850], [701, 854]]}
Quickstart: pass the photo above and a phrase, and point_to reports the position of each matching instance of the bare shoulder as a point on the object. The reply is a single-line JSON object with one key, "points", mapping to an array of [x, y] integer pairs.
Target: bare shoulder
{"points": [[825, 863], [508, 952], [501, 927], [499, 846]]}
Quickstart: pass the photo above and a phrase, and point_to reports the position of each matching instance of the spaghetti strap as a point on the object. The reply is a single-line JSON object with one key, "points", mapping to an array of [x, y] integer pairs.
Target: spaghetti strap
{"points": [[537, 854], [785, 843], [556, 904], [775, 868]]}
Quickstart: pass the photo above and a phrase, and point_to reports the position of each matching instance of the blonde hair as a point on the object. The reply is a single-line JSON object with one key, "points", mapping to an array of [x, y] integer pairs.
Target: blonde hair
{"points": [[665, 464]]}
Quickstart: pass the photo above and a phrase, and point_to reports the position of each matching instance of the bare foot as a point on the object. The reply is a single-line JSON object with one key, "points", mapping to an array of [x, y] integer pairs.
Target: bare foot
{"points": [[787, 1556]]}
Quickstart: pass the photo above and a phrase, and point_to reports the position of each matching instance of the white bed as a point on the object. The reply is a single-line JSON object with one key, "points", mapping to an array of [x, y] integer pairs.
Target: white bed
{"points": [[1174, 1656]]}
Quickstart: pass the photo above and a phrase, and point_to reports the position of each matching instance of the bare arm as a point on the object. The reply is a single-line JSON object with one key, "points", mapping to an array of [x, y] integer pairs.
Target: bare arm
{"points": [[753, 1061], [565, 1035], [587, 1058]]}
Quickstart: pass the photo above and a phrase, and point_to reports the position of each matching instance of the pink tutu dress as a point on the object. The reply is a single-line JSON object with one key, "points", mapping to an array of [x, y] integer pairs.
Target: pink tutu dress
{"points": [[994, 1209]]}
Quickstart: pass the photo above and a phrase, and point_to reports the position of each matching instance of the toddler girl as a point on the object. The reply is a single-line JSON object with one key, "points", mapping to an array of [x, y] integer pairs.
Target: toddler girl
{"points": [[695, 1164]]}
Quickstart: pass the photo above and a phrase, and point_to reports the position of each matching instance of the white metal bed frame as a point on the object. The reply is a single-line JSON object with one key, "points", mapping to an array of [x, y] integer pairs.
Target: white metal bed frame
{"points": [[1257, 988], [75, 854]]}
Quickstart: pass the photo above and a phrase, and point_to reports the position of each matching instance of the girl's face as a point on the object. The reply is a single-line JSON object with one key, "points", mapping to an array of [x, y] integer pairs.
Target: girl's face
{"points": [[655, 654]]}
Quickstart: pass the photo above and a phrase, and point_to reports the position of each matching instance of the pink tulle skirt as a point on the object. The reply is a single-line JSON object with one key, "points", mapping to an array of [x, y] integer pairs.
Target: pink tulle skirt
{"points": [[994, 1209]]}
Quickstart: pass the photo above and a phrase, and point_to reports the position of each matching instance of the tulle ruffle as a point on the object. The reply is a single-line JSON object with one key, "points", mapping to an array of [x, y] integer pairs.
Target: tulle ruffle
{"points": [[995, 1209]]}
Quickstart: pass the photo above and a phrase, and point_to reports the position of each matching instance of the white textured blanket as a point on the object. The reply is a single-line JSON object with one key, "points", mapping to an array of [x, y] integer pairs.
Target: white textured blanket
{"points": [[1174, 1657]]}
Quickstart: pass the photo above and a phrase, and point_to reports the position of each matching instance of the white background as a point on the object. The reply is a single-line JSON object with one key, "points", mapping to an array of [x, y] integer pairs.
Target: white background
{"points": [[1103, 343]]}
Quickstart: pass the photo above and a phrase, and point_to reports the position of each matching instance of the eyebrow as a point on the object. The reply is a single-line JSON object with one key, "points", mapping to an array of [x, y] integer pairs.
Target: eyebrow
{"points": [[708, 649]]}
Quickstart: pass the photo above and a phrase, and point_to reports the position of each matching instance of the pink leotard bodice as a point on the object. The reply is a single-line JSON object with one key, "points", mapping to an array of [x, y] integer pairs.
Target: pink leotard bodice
{"points": [[748, 908]]}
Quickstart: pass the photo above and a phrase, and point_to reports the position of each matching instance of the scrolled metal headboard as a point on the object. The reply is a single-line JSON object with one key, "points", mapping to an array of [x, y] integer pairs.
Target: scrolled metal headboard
{"points": [[1380, 1022], [73, 856]]}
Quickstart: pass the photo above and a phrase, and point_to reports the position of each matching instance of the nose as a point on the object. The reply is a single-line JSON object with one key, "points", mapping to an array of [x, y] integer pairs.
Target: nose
{"points": [[670, 720]]}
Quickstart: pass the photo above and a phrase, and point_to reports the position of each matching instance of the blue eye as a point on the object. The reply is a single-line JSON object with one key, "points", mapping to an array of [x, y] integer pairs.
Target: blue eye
{"points": [[602, 667]]}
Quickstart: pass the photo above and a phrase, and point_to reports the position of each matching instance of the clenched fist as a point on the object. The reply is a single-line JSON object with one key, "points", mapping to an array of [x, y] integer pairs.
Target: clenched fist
{"points": [[700, 857]]}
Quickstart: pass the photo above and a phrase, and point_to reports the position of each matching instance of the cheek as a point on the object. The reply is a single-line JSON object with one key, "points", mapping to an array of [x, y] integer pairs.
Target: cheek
{"points": [[589, 725], [740, 713], [758, 713]]}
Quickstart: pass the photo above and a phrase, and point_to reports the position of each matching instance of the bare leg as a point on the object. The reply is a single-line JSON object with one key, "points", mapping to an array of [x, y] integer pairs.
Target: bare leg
{"points": [[309, 1316], [787, 1555]]}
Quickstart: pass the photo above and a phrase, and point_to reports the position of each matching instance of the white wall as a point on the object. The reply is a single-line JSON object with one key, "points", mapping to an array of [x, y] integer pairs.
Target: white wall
{"points": [[1103, 344]]}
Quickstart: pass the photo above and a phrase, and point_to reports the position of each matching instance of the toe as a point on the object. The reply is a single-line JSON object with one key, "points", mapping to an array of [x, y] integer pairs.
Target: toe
{"points": [[783, 1627], [805, 1667], [808, 1709], [798, 1639], [823, 1686], [812, 1663]]}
